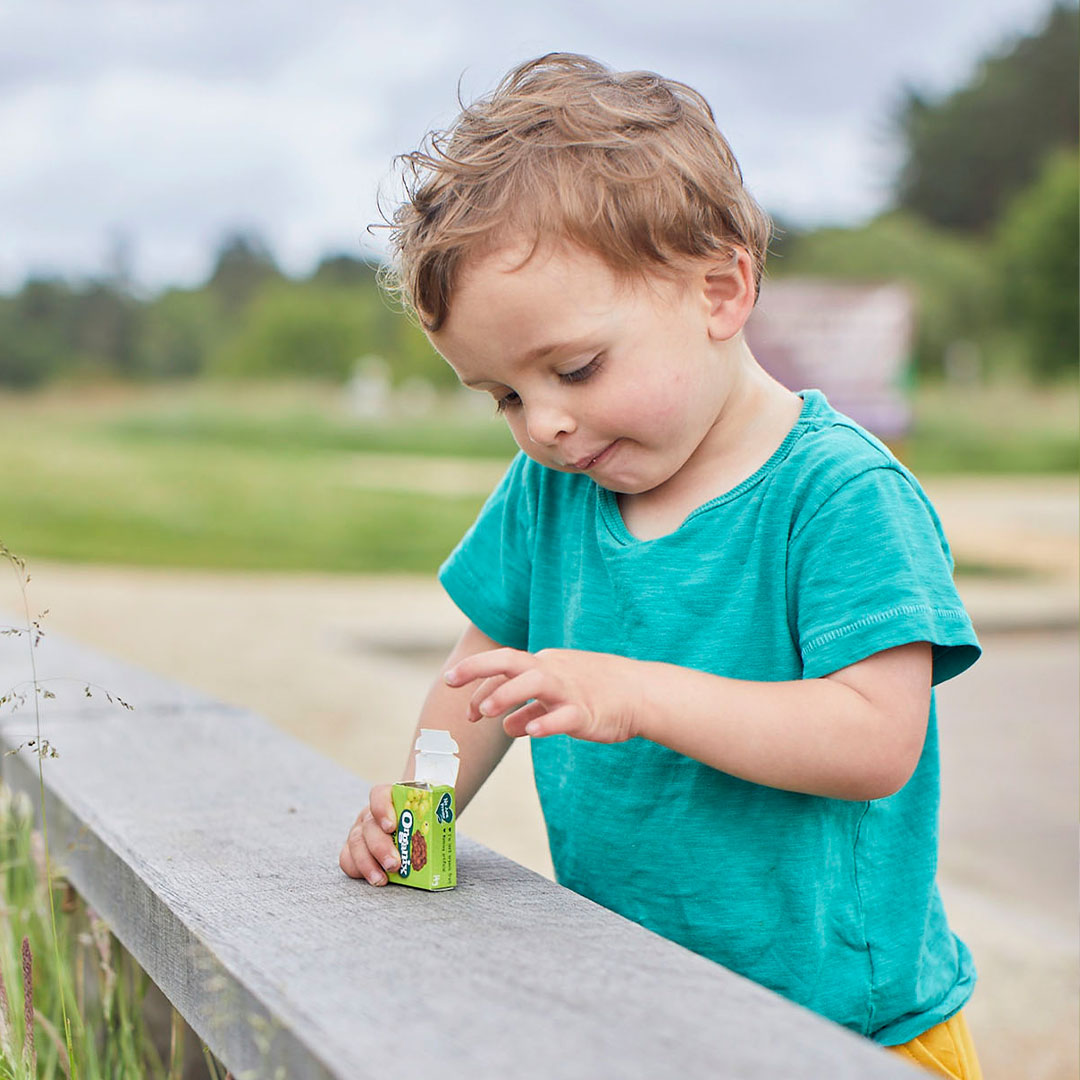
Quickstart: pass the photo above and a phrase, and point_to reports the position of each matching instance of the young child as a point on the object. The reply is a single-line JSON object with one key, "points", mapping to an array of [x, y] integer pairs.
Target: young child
{"points": [[718, 605]]}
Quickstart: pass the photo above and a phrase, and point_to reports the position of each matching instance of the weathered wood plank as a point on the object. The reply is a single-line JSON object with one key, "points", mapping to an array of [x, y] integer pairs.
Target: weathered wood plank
{"points": [[208, 840]]}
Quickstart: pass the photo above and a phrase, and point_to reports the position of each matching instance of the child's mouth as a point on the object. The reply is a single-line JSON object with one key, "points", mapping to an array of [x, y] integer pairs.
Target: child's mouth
{"points": [[591, 462]]}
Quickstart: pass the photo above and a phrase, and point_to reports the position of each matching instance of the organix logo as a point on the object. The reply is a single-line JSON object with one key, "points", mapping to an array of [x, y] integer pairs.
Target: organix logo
{"points": [[404, 842], [445, 810]]}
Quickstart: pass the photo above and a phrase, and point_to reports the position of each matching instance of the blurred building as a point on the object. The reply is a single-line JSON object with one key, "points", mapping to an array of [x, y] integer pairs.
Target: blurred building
{"points": [[852, 342]]}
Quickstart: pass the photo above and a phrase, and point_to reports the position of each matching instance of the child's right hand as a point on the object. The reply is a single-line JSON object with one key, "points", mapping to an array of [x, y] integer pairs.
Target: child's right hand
{"points": [[369, 849]]}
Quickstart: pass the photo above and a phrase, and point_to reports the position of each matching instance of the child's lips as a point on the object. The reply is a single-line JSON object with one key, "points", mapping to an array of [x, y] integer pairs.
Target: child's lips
{"points": [[586, 463]]}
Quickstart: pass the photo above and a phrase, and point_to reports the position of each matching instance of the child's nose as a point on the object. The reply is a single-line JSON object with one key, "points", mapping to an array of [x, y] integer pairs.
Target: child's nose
{"points": [[546, 422]]}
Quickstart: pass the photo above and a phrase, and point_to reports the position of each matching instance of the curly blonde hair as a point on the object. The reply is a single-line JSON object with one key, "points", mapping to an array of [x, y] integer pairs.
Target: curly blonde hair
{"points": [[627, 165]]}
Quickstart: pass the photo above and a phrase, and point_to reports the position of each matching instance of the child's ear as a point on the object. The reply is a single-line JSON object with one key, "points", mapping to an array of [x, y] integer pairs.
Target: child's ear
{"points": [[729, 292]]}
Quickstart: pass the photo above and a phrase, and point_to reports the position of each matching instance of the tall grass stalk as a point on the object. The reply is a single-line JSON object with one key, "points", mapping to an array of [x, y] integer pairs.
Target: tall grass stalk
{"points": [[33, 636], [80, 990], [85, 967]]}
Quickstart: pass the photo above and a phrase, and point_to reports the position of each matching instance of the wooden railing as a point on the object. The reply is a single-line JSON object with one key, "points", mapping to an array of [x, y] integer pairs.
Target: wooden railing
{"points": [[208, 841]]}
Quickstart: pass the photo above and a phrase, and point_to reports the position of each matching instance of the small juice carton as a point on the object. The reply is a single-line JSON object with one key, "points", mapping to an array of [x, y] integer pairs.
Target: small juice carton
{"points": [[425, 812]]}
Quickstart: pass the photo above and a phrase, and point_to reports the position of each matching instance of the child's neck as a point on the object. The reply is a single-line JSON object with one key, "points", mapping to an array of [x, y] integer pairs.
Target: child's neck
{"points": [[754, 417]]}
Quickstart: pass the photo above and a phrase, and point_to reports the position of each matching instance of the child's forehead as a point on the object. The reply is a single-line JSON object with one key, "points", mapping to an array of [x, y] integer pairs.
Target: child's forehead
{"points": [[513, 253], [554, 292], [558, 262]]}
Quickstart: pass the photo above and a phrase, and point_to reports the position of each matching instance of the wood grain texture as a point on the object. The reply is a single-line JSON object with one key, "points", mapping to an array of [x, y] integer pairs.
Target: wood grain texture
{"points": [[208, 841]]}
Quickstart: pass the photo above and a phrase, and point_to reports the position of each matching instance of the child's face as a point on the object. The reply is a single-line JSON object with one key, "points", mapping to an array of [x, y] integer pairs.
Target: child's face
{"points": [[593, 375]]}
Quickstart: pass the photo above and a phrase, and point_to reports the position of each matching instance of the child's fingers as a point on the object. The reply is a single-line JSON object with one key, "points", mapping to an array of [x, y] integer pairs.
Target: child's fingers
{"points": [[347, 862], [369, 851], [514, 693], [514, 724], [382, 807], [481, 693], [356, 859], [507, 662], [380, 845], [565, 720]]}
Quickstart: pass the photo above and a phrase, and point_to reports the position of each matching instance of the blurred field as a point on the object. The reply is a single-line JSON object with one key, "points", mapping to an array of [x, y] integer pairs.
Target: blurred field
{"points": [[241, 478], [1007, 426], [278, 477]]}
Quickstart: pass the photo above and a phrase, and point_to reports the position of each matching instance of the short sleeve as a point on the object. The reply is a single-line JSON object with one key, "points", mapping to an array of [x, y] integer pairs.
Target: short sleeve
{"points": [[488, 575], [869, 570]]}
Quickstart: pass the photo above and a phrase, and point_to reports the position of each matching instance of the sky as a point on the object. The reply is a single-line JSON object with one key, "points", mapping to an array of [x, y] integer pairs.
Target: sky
{"points": [[148, 130]]}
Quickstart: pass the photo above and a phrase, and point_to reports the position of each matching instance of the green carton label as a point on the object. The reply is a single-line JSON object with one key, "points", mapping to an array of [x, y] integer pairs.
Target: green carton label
{"points": [[425, 836]]}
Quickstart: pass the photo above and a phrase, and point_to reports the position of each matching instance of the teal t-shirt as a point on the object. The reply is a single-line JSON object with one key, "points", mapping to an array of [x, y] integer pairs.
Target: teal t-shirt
{"points": [[829, 553]]}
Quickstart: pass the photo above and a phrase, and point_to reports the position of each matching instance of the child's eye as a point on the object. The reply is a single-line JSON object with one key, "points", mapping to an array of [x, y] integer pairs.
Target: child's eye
{"points": [[582, 373], [511, 399]]}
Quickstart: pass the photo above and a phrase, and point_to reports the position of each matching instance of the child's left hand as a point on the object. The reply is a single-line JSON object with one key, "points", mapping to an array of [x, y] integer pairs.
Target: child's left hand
{"points": [[587, 695]]}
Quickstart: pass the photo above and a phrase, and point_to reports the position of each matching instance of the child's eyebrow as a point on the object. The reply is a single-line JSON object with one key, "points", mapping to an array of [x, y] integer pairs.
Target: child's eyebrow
{"points": [[537, 353]]}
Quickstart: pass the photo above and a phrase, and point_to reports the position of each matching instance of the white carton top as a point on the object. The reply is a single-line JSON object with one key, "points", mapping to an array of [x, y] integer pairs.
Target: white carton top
{"points": [[436, 758]]}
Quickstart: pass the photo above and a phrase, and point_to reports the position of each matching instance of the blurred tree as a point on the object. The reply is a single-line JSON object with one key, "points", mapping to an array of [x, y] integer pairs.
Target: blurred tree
{"points": [[344, 270], [785, 235], [28, 351], [411, 354], [44, 301], [179, 331], [320, 331], [243, 266], [35, 332], [303, 330], [104, 329], [120, 273], [969, 154], [1037, 249], [950, 276]]}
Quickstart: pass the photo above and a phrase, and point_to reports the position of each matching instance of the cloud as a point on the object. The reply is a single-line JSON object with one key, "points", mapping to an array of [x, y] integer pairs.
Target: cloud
{"points": [[177, 120]]}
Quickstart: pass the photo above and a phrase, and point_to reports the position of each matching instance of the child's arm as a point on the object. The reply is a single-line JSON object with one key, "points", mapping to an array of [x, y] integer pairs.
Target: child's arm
{"points": [[854, 734], [369, 848]]}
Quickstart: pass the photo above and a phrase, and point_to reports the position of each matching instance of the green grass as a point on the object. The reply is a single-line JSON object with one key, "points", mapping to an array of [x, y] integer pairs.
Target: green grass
{"points": [[1005, 428], [101, 985], [271, 477], [313, 434], [143, 480]]}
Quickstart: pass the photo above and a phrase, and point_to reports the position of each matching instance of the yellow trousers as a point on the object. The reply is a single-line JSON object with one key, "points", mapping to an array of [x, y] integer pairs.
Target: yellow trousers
{"points": [[946, 1050]]}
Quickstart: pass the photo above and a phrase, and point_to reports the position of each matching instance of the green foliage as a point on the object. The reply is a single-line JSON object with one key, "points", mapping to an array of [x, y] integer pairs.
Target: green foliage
{"points": [[28, 352], [243, 266], [1039, 267], [292, 330], [104, 328], [951, 279], [50, 327], [247, 320], [178, 332], [344, 270], [315, 330], [411, 352], [968, 155]]}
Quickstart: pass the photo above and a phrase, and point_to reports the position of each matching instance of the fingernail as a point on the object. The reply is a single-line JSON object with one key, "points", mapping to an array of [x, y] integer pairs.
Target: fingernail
{"points": [[532, 727], [376, 878], [487, 707], [388, 824], [390, 864], [448, 677]]}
